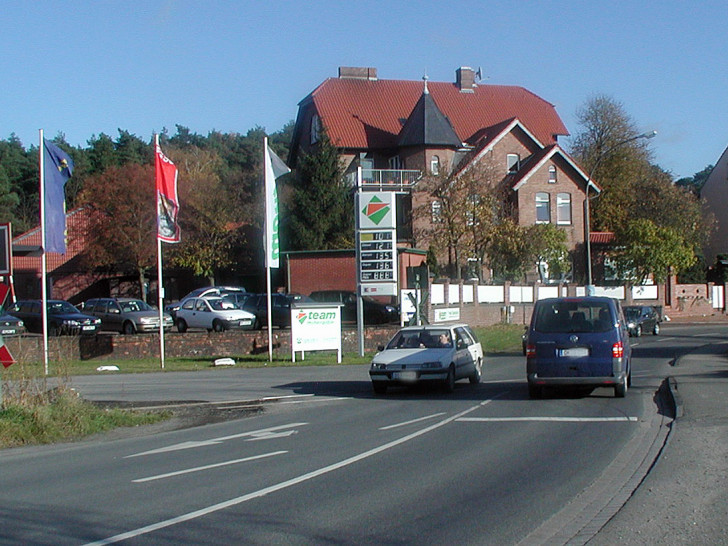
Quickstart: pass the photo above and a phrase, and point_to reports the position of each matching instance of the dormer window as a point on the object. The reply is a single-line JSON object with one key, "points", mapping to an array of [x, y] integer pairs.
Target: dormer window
{"points": [[315, 128], [513, 163], [435, 165]]}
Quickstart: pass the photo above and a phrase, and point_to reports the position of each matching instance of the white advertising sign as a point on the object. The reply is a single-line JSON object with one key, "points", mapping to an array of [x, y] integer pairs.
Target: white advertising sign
{"points": [[315, 328], [445, 315]]}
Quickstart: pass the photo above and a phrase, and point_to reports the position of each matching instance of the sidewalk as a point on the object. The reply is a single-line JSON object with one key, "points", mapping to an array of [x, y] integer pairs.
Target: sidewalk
{"points": [[684, 498]]}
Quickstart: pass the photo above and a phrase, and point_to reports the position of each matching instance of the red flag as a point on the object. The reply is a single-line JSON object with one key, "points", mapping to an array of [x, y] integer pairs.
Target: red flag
{"points": [[167, 202]]}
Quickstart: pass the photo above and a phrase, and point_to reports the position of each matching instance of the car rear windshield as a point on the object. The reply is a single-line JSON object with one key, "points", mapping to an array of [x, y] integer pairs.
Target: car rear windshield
{"points": [[573, 316]]}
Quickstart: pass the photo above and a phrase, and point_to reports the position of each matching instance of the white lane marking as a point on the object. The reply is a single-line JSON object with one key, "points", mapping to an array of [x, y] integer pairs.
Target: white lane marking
{"points": [[268, 435], [405, 423], [255, 435], [207, 467], [552, 419], [317, 400], [288, 483]]}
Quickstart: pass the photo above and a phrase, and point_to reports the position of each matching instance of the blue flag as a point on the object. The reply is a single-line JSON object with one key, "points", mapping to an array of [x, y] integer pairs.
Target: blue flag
{"points": [[57, 169]]}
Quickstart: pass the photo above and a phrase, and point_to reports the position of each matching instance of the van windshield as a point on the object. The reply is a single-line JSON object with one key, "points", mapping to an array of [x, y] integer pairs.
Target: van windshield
{"points": [[574, 316]]}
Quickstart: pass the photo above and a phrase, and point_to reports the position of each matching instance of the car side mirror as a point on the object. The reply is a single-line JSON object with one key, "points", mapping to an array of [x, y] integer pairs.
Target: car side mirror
{"points": [[380, 348]]}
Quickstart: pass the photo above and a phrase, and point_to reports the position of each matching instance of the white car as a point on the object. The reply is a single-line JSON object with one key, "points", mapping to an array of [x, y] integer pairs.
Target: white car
{"points": [[442, 353], [212, 313]]}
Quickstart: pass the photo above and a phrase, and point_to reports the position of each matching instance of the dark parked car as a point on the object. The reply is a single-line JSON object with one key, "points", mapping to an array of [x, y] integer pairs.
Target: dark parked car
{"points": [[203, 292], [126, 315], [281, 303], [580, 342], [63, 318], [642, 319], [374, 312], [11, 326]]}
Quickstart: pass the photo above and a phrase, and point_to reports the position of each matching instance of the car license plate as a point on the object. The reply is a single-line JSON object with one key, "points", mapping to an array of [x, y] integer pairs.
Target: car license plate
{"points": [[405, 376], [244, 322], [85, 328], [574, 352], [7, 332]]}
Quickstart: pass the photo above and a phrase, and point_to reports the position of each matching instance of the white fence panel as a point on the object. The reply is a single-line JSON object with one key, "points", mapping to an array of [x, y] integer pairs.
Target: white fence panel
{"points": [[453, 295], [491, 294], [547, 292], [468, 291], [521, 294], [718, 297], [616, 292], [437, 294], [647, 292]]}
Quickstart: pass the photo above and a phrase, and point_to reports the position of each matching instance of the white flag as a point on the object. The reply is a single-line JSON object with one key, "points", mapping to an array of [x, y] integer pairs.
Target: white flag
{"points": [[274, 168]]}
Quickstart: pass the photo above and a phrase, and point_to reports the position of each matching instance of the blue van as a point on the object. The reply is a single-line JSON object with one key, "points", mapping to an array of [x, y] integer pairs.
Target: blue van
{"points": [[579, 341]]}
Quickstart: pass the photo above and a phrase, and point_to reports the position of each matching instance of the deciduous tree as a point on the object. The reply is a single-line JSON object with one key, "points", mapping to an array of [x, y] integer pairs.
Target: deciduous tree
{"points": [[122, 223]]}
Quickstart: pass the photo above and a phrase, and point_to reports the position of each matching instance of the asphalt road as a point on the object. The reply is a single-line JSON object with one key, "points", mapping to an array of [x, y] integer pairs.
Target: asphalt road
{"points": [[329, 462]]}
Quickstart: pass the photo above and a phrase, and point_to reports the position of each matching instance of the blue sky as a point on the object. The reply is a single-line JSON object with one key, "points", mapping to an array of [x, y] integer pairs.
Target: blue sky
{"points": [[93, 66]]}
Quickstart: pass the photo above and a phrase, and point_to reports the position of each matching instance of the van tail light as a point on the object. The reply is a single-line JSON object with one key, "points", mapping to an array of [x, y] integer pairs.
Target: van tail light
{"points": [[530, 351], [617, 350]]}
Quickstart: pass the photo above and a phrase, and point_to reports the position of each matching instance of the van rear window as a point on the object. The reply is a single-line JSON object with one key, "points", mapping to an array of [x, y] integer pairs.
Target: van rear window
{"points": [[573, 316]]}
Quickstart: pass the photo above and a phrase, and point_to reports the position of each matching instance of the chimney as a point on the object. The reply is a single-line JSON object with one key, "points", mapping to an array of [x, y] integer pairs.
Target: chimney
{"points": [[465, 79], [357, 73]]}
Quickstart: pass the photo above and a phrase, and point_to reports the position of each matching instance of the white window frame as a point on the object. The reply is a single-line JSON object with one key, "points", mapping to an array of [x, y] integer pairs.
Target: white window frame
{"points": [[435, 165], [553, 177], [563, 209], [436, 211], [513, 163], [543, 204]]}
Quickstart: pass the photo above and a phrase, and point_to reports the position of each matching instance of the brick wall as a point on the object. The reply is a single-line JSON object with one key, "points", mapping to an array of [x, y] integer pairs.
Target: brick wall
{"points": [[104, 348], [322, 271]]}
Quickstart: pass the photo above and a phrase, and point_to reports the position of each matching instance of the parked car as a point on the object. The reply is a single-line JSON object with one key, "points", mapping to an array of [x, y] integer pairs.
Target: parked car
{"points": [[642, 319], [580, 342], [440, 353], [281, 303], [62, 317], [202, 292], [212, 313], [126, 315], [11, 326], [375, 312]]}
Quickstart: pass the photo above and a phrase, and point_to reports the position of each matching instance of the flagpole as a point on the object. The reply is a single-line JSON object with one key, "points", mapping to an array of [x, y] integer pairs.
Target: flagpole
{"points": [[160, 299], [160, 284], [43, 265], [267, 250]]}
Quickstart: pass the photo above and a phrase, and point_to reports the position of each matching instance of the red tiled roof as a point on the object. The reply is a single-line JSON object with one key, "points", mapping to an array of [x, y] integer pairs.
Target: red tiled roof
{"points": [[76, 221], [360, 113]]}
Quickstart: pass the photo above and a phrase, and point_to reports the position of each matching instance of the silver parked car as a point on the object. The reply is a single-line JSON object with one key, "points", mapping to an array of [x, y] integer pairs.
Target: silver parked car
{"points": [[126, 315], [213, 313], [441, 353]]}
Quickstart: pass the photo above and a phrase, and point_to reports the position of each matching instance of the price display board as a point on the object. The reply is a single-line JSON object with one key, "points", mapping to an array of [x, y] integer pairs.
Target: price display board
{"points": [[377, 256]]}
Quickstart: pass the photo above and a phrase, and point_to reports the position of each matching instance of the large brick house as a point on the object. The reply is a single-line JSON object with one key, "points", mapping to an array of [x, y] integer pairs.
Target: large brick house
{"points": [[398, 131]]}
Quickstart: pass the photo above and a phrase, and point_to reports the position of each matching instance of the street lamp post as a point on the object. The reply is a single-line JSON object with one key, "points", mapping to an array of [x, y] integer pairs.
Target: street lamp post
{"points": [[587, 207]]}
